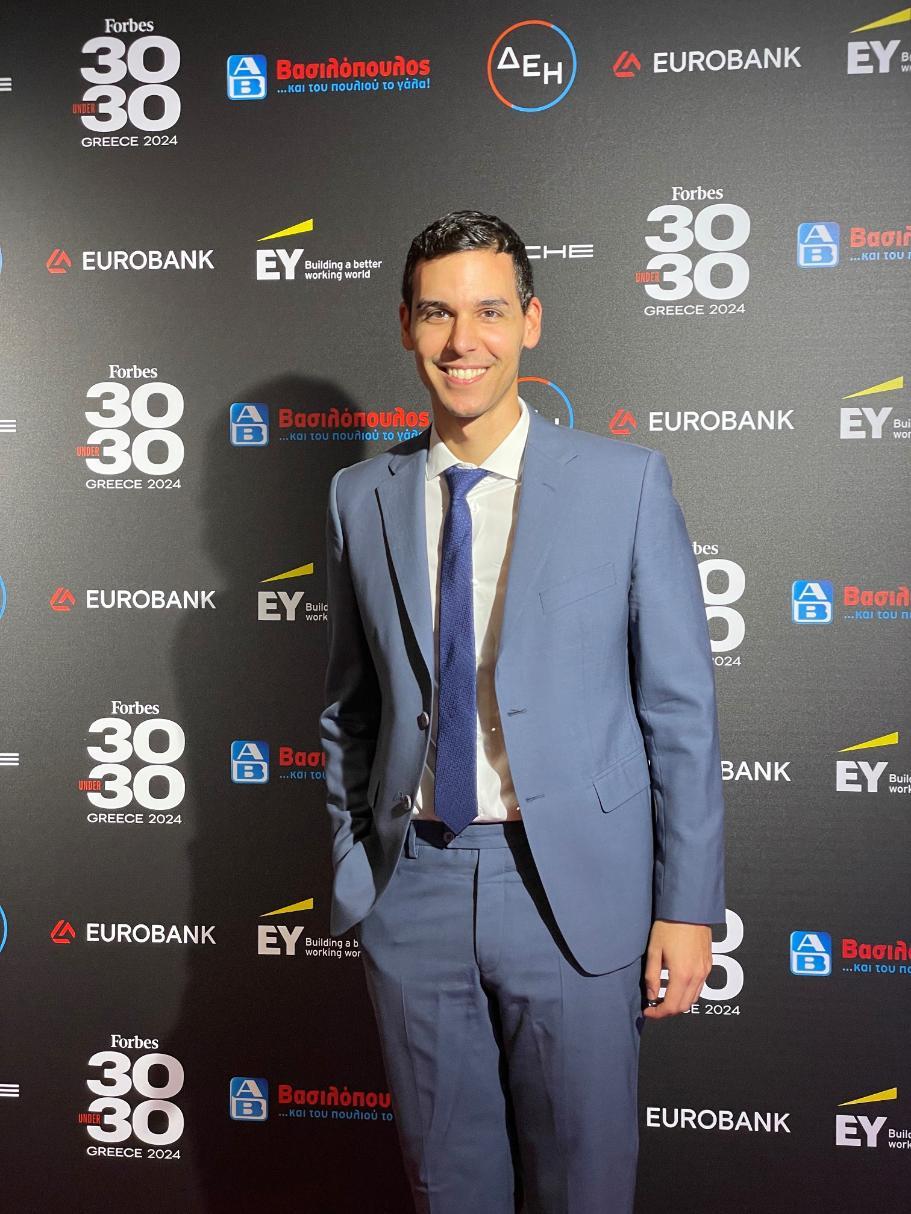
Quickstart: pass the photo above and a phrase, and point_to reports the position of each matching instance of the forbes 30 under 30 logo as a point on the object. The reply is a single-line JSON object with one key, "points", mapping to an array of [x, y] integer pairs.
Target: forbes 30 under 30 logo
{"points": [[696, 251], [134, 430], [155, 783], [112, 1117], [723, 585], [128, 85]]}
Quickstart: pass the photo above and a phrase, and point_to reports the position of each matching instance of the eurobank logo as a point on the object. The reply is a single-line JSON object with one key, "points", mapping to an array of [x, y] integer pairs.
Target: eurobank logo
{"points": [[531, 66], [877, 56], [863, 1131], [4, 929], [3, 598]]}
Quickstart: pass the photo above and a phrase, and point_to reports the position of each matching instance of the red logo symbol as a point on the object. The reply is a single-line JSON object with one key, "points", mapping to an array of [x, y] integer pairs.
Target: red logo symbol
{"points": [[63, 932], [623, 422], [58, 262], [626, 65], [62, 599]]}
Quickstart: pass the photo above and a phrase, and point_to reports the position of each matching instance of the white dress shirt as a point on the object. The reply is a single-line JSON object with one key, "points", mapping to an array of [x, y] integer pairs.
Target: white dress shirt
{"points": [[493, 503]]}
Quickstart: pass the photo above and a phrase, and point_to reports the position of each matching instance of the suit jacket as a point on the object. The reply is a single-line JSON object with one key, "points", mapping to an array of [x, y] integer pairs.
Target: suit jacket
{"points": [[604, 680]]}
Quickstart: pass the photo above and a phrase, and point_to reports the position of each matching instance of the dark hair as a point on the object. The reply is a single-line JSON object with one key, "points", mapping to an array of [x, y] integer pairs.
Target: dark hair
{"points": [[462, 230]]}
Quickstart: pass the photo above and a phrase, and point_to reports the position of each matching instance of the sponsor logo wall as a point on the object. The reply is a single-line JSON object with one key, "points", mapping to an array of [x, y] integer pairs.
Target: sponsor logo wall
{"points": [[202, 247]]}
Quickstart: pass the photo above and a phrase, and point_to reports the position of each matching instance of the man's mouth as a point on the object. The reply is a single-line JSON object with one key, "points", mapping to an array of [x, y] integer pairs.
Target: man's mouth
{"points": [[464, 375]]}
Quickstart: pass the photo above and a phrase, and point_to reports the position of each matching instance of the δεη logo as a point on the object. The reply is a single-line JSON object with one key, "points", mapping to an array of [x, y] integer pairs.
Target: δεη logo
{"points": [[552, 403], [531, 66]]}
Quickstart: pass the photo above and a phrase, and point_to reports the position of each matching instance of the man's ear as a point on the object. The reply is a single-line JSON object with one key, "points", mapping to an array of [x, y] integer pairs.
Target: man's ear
{"points": [[405, 325], [533, 317]]}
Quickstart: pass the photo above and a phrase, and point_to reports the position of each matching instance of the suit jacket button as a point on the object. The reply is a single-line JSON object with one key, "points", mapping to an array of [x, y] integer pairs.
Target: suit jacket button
{"points": [[406, 800], [423, 720]]}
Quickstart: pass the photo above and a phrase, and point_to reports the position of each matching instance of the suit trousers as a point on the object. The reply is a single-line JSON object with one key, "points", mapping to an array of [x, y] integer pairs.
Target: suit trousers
{"points": [[513, 1071]]}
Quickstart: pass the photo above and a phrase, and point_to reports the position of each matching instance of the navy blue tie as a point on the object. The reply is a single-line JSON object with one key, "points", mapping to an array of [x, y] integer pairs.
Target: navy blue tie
{"points": [[455, 797]]}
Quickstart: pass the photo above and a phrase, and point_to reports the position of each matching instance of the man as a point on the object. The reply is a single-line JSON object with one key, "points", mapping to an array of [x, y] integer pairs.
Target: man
{"points": [[522, 762]]}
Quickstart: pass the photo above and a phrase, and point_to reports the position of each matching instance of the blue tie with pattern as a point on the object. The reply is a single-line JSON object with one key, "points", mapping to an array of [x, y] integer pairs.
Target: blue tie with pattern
{"points": [[455, 776]]}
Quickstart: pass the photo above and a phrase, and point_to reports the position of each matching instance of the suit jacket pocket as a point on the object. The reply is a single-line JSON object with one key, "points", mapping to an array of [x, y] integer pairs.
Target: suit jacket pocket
{"points": [[578, 586], [622, 780]]}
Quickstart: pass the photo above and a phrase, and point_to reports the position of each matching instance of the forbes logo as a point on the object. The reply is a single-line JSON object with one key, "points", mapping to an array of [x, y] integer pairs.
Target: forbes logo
{"points": [[811, 954]]}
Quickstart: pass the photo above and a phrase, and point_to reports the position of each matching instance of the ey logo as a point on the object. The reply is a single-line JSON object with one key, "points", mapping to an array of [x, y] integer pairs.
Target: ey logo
{"points": [[863, 421], [280, 941], [856, 775], [857, 1130], [873, 55], [278, 604], [277, 264]]}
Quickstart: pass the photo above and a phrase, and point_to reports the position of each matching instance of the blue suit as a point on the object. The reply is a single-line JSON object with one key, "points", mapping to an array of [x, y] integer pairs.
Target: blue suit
{"points": [[604, 681], [504, 964]]}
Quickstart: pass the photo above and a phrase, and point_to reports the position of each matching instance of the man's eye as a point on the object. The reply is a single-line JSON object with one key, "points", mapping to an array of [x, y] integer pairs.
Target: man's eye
{"points": [[491, 312]]}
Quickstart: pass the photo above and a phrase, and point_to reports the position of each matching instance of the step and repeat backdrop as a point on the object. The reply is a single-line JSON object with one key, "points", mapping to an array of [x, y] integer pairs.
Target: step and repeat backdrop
{"points": [[205, 213]]}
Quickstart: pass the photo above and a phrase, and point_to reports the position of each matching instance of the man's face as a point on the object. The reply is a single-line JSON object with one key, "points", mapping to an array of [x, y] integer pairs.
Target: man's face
{"points": [[467, 329]]}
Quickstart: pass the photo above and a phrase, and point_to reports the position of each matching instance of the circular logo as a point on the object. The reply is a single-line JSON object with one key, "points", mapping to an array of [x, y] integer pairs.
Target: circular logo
{"points": [[535, 63], [2, 598], [548, 383], [3, 929]]}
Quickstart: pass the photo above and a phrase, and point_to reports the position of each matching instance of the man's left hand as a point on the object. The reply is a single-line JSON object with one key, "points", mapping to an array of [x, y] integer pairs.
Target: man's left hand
{"points": [[685, 951]]}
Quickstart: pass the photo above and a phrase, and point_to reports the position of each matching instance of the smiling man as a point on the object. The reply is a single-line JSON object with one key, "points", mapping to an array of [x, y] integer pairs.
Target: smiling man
{"points": [[522, 762]]}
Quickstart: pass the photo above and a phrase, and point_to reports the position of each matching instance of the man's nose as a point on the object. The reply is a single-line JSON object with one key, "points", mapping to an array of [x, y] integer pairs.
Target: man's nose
{"points": [[463, 337]]}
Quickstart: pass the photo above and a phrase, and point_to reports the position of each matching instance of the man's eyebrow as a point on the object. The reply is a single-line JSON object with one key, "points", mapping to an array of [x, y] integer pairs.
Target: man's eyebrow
{"points": [[427, 305]]}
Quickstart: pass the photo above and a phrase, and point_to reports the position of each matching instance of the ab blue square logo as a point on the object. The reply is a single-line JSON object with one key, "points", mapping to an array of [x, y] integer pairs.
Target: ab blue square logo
{"points": [[246, 77], [812, 602], [817, 244], [249, 762], [811, 954], [249, 425], [248, 1099]]}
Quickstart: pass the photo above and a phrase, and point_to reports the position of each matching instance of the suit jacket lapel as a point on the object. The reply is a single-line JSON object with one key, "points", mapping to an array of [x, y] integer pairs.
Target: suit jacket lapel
{"points": [[403, 508]]}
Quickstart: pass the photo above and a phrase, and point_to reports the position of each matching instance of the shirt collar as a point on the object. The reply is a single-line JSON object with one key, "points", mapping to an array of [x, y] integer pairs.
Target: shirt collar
{"points": [[504, 460]]}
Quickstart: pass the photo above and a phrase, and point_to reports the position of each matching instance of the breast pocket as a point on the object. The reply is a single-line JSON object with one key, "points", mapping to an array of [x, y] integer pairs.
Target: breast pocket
{"points": [[578, 586]]}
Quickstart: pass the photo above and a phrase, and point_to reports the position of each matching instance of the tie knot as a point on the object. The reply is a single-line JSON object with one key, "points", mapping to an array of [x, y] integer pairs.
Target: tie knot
{"points": [[460, 480]]}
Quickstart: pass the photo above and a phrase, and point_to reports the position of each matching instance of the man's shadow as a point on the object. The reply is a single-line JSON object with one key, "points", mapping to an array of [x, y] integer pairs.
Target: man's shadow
{"points": [[253, 848]]}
